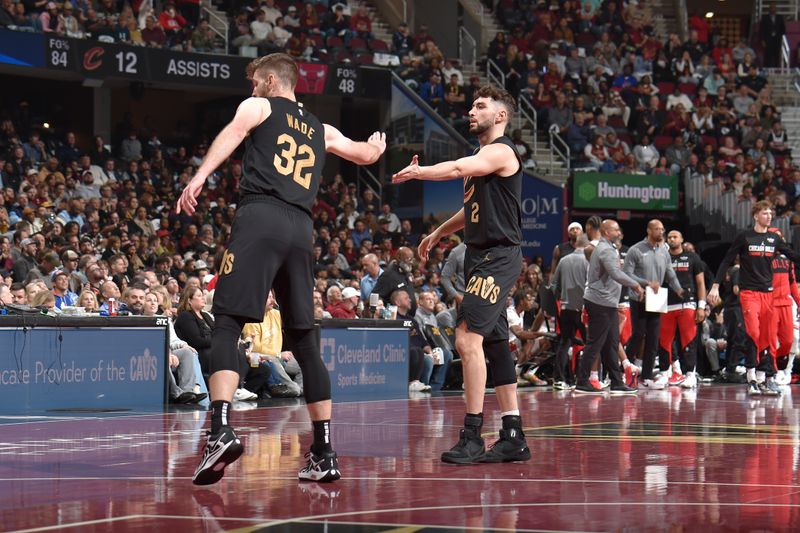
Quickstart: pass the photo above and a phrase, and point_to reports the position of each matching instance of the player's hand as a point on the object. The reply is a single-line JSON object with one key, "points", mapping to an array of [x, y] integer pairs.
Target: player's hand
{"points": [[426, 245], [681, 293], [639, 291], [654, 285], [174, 362], [188, 200], [411, 172], [699, 315], [713, 297], [378, 140]]}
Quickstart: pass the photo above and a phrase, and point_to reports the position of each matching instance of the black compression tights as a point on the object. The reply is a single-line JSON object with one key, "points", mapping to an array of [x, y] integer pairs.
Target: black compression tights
{"points": [[500, 361], [316, 380], [301, 342], [225, 343]]}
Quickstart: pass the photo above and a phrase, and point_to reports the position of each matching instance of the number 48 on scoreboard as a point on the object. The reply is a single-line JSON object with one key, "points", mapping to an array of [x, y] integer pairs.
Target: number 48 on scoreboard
{"points": [[347, 81]]}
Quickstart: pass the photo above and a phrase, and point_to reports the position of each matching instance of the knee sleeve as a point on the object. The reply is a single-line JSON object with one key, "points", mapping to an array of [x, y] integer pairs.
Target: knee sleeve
{"points": [[316, 380], [225, 343], [501, 362]]}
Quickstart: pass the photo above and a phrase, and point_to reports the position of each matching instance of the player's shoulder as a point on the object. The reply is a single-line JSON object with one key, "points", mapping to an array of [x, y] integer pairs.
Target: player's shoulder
{"points": [[256, 102], [497, 146]]}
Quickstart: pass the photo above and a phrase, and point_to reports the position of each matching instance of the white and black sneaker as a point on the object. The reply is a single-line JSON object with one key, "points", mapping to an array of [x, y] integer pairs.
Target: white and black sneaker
{"points": [[322, 468], [771, 388], [222, 449]]}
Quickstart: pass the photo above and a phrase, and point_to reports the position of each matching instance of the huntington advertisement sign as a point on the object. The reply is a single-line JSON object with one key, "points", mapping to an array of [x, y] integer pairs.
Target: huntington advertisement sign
{"points": [[593, 190]]}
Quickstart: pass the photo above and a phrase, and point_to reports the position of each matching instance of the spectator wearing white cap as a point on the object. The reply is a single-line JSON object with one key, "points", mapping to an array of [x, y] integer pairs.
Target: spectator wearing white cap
{"points": [[291, 19], [346, 308], [574, 230], [87, 188], [64, 296]]}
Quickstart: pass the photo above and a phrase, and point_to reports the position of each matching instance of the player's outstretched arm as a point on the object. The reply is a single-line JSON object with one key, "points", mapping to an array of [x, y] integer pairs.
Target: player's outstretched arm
{"points": [[491, 158], [360, 153], [450, 226], [249, 114]]}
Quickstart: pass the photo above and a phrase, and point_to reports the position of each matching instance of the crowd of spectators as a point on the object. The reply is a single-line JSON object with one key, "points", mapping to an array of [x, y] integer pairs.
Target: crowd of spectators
{"points": [[624, 101], [313, 31], [177, 26]]}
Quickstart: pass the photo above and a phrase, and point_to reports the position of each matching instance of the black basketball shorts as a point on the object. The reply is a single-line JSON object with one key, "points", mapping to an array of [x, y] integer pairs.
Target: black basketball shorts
{"points": [[490, 276], [270, 248]]}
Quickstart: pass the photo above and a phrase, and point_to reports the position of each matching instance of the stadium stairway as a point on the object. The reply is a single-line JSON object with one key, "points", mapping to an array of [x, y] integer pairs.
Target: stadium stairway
{"points": [[219, 21], [548, 166], [786, 96]]}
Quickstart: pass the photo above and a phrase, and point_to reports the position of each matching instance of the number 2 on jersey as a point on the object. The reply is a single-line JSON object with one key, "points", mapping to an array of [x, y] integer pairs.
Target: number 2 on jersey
{"points": [[290, 160], [474, 215]]}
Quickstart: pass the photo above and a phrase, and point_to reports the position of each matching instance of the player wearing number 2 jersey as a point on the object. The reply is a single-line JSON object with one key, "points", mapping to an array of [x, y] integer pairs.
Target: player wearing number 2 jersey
{"points": [[270, 248], [493, 233]]}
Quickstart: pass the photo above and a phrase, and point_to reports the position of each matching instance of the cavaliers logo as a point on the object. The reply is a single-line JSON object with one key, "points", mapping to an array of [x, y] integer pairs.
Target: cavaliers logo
{"points": [[484, 288], [227, 263], [93, 58], [469, 189]]}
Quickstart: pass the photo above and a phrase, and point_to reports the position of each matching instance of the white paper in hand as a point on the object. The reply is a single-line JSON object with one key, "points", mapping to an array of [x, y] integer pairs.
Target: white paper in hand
{"points": [[655, 302]]}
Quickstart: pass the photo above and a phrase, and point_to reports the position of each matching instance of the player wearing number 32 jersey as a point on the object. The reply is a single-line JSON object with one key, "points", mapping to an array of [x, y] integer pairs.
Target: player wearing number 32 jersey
{"points": [[270, 247]]}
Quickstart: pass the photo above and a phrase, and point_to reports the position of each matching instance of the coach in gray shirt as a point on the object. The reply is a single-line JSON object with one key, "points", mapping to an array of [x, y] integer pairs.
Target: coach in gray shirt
{"points": [[603, 287], [649, 260], [453, 273], [569, 282]]}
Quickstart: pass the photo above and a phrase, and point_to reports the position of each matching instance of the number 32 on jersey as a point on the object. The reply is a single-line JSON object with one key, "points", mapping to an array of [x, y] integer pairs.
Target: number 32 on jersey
{"points": [[294, 160]]}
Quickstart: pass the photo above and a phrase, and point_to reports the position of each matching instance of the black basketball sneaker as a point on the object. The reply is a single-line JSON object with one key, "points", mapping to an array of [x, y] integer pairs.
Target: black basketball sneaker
{"points": [[322, 468], [222, 449], [511, 446], [468, 450]]}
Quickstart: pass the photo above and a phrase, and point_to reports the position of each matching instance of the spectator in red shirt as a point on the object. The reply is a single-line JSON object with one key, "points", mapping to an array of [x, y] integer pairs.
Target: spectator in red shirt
{"points": [[361, 24], [720, 50], [700, 24], [346, 307], [172, 23]]}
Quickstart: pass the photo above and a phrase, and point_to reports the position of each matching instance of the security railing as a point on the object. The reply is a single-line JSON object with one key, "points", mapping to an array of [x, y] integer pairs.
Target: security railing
{"points": [[559, 149], [467, 48], [218, 25]]}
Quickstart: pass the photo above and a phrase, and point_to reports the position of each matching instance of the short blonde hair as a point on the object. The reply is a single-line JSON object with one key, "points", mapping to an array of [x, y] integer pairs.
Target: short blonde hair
{"points": [[282, 65]]}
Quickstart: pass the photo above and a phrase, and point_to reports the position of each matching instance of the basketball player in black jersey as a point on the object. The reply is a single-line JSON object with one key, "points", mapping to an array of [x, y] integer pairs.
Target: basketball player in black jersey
{"points": [[270, 248], [493, 261]]}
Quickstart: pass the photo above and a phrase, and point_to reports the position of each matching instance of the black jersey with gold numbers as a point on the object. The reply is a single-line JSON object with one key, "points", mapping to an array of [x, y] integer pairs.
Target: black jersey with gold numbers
{"points": [[284, 155], [492, 207]]}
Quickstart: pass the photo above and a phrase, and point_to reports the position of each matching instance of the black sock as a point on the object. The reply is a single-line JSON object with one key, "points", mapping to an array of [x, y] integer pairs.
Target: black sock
{"points": [[512, 422], [474, 423], [322, 437], [219, 415]]}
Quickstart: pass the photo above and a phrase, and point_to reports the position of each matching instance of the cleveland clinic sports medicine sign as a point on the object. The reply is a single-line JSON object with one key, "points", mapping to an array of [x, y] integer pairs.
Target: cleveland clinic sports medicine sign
{"points": [[594, 190], [366, 359]]}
